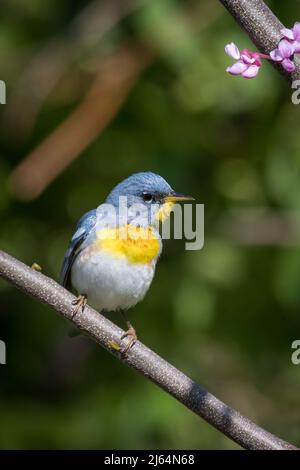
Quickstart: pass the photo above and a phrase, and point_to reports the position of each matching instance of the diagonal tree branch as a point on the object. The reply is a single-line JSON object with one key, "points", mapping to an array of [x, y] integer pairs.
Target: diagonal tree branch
{"points": [[176, 383], [262, 26]]}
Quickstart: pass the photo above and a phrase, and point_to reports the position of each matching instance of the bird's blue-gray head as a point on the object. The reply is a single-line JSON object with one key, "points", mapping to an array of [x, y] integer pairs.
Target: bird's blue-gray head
{"points": [[149, 191], [145, 187]]}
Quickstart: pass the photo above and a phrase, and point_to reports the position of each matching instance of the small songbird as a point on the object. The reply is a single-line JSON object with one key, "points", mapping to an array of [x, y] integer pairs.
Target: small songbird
{"points": [[112, 256]]}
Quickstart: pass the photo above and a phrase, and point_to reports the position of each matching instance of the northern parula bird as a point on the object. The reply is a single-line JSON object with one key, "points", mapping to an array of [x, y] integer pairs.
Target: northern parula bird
{"points": [[112, 256]]}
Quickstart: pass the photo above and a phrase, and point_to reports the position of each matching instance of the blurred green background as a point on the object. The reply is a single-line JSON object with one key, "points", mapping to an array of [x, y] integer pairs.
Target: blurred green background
{"points": [[225, 315]]}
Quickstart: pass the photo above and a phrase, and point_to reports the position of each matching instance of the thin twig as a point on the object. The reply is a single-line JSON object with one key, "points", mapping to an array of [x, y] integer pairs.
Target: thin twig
{"points": [[262, 26], [193, 396]]}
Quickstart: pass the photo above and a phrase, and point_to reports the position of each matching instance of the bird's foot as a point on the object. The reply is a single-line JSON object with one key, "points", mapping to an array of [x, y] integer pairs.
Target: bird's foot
{"points": [[79, 303], [132, 339]]}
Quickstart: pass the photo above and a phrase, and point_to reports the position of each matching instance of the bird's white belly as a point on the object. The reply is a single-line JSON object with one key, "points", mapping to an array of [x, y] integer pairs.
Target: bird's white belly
{"points": [[111, 283]]}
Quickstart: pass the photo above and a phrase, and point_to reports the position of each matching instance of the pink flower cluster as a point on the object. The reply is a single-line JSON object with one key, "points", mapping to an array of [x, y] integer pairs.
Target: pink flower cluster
{"points": [[248, 63]]}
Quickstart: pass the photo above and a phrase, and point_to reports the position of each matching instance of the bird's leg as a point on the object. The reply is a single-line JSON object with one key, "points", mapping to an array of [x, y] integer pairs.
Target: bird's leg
{"points": [[130, 334], [79, 303]]}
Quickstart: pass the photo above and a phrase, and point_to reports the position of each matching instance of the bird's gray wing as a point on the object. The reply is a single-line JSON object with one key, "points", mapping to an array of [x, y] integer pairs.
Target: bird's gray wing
{"points": [[84, 226]]}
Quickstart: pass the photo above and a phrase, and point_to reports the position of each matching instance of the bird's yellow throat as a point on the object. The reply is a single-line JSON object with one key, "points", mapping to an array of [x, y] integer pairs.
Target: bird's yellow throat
{"points": [[137, 244], [164, 212]]}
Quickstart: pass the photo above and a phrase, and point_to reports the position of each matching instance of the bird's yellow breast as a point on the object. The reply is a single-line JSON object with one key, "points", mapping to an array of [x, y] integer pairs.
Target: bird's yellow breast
{"points": [[137, 244]]}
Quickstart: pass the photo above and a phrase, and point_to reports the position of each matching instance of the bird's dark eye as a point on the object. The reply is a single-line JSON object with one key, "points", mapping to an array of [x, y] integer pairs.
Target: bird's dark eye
{"points": [[147, 197]]}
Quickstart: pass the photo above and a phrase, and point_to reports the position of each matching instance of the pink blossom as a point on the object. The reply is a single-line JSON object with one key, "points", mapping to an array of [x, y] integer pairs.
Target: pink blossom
{"points": [[282, 54], [247, 63], [287, 47], [293, 36]]}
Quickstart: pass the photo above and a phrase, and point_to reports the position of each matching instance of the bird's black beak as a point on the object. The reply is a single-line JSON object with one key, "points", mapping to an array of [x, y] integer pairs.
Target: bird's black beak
{"points": [[178, 197]]}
